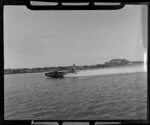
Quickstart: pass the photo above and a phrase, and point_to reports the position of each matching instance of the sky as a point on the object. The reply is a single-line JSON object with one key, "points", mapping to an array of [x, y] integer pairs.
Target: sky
{"points": [[63, 38]]}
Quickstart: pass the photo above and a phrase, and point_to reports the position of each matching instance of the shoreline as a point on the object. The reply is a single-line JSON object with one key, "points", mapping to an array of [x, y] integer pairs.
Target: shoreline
{"points": [[79, 68], [92, 72]]}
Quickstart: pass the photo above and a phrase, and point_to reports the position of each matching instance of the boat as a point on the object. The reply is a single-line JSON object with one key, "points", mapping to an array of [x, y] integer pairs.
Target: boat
{"points": [[60, 73]]}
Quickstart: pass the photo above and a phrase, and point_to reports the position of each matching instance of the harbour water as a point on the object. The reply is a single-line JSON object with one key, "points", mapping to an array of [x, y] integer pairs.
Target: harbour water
{"points": [[115, 93]]}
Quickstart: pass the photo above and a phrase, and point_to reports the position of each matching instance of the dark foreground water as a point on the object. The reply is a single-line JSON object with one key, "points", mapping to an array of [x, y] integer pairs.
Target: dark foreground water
{"points": [[113, 96]]}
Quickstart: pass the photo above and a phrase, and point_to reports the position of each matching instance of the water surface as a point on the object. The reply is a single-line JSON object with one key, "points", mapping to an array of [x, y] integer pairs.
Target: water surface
{"points": [[96, 97]]}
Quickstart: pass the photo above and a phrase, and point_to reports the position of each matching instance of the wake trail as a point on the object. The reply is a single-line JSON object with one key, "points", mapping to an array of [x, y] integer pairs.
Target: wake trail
{"points": [[105, 71]]}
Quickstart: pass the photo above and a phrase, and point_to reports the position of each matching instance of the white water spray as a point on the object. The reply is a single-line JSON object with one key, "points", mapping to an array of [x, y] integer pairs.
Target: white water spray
{"points": [[104, 71]]}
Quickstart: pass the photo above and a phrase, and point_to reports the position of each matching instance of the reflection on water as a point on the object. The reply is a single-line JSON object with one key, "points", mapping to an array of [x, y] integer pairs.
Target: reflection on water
{"points": [[113, 96]]}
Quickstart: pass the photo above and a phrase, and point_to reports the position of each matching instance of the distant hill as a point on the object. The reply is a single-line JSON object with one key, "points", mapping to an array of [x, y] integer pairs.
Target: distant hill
{"points": [[118, 62]]}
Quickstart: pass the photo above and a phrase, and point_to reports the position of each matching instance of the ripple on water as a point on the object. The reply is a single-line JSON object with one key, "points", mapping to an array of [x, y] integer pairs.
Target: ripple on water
{"points": [[115, 96]]}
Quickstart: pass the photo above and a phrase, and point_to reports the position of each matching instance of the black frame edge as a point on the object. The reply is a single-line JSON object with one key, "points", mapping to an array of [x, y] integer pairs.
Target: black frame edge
{"points": [[7, 122]]}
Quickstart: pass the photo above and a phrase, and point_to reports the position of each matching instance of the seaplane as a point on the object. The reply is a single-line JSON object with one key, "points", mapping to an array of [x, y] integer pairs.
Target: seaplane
{"points": [[61, 73]]}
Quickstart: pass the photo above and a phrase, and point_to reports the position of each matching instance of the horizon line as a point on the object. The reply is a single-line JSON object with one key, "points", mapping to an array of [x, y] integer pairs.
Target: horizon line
{"points": [[69, 65]]}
